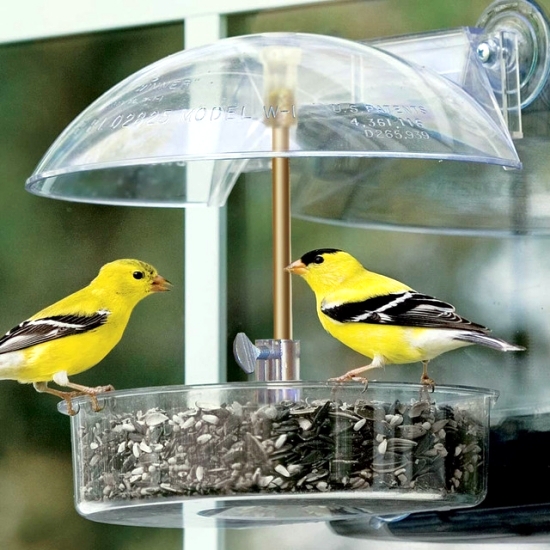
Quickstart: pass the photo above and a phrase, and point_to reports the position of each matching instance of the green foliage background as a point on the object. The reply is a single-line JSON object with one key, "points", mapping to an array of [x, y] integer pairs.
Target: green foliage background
{"points": [[50, 248]]}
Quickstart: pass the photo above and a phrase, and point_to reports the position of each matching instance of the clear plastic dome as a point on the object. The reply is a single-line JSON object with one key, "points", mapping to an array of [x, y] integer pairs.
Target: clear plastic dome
{"points": [[336, 98]]}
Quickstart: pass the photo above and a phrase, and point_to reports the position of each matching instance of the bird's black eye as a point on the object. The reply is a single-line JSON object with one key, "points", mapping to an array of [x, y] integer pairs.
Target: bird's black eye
{"points": [[318, 260], [138, 274]]}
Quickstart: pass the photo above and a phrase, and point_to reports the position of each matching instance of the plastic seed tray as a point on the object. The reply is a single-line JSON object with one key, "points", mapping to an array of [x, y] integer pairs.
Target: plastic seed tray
{"points": [[242, 454]]}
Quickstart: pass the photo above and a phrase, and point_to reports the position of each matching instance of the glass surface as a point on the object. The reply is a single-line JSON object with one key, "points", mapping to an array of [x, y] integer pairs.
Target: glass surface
{"points": [[428, 196], [334, 98], [272, 453], [514, 506], [448, 197]]}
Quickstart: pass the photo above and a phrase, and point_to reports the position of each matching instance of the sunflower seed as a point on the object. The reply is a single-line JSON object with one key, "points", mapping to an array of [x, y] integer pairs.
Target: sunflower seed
{"points": [[292, 446], [280, 469], [211, 419], [383, 446], [305, 424], [359, 424], [154, 418]]}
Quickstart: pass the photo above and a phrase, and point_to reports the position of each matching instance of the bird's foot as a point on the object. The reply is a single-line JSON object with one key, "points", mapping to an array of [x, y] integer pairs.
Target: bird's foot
{"points": [[363, 381], [100, 389], [92, 393], [67, 396], [350, 377], [427, 382]]}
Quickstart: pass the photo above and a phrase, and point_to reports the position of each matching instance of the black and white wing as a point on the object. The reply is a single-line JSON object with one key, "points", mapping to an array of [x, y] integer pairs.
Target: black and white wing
{"points": [[408, 308], [37, 331]]}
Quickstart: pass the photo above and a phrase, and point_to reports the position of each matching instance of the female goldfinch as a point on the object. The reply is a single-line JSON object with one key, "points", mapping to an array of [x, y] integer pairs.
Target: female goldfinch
{"points": [[382, 318], [77, 332]]}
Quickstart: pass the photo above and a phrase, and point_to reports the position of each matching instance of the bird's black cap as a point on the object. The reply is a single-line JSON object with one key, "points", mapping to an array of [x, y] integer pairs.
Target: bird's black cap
{"points": [[309, 257]]}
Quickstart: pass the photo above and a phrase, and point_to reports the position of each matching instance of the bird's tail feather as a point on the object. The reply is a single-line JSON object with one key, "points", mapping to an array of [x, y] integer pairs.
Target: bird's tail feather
{"points": [[489, 341]]}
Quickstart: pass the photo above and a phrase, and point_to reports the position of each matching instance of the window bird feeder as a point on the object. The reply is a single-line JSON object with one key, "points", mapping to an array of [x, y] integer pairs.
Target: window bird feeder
{"points": [[278, 449]]}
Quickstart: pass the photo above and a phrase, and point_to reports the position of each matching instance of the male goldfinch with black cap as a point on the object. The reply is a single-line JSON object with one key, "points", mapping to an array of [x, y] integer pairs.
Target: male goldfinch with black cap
{"points": [[382, 318]]}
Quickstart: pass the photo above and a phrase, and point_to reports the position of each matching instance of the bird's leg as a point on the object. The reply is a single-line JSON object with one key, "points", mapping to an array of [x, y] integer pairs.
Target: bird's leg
{"points": [[377, 362], [42, 387], [425, 380], [61, 379]]}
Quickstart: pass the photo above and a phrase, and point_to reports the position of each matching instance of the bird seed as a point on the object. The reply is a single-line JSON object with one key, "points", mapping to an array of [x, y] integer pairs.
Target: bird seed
{"points": [[287, 447]]}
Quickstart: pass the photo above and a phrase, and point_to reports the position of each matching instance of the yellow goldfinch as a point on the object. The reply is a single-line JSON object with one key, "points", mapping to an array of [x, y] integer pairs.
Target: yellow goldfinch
{"points": [[382, 318], [77, 332]]}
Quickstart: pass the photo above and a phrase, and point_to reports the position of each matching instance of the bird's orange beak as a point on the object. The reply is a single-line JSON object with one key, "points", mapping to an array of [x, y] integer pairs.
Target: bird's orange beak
{"points": [[298, 268], [160, 284]]}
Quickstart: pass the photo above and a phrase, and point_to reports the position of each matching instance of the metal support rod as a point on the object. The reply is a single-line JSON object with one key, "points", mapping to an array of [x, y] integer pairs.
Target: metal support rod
{"points": [[280, 76], [282, 308]]}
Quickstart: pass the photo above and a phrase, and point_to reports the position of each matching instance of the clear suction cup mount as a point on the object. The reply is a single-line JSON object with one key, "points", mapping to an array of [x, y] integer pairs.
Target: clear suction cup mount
{"points": [[524, 22]]}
